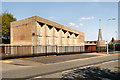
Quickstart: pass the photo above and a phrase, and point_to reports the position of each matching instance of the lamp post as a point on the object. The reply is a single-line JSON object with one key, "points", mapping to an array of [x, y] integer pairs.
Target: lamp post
{"points": [[116, 34], [107, 47], [107, 40], [116, 40]]}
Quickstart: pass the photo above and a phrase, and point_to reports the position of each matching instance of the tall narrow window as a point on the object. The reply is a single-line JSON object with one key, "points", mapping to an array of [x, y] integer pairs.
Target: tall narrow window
{"points": [[69, 41], [75, 41], [56, 40], [63, 41]]}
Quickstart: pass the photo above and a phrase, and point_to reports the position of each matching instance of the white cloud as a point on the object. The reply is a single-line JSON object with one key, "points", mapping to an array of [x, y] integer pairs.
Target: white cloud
{"points": [[87, 18], [71, 24], [74, 25], [52, 17], [81, 24]]}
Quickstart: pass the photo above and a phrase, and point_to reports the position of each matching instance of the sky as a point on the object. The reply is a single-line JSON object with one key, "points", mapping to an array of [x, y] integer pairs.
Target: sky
{"points": [[86, 17]]}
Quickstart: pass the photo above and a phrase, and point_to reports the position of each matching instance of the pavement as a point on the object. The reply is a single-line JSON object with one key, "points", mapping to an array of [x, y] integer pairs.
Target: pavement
{"points": [[61, 58], [35, 61], [45, 66]]}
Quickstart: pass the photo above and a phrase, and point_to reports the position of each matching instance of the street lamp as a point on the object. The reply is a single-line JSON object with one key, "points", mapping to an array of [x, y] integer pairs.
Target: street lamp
{"points": [[116, 35], [116, 40], [107, 40]]}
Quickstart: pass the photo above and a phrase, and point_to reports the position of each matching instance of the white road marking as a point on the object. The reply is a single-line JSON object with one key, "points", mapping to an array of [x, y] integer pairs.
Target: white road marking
{"points": [[109, 62], [88, 66], [63, 72], [37, 77]]}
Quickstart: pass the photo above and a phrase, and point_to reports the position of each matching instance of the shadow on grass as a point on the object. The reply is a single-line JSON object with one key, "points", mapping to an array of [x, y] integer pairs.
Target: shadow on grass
{"points": [[91, 73]]}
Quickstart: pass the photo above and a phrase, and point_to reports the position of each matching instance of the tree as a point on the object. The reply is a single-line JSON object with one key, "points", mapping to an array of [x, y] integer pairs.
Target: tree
{"points": [[0, 29], [6, 19], [113, 40]]}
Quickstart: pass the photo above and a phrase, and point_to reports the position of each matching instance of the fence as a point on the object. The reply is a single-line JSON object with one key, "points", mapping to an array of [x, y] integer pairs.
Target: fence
{"points": [[115, 47], [23, 51]]}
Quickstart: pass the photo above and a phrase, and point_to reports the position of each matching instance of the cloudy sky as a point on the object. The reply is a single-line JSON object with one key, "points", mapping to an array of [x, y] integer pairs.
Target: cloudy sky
{"points": [[87, 17]]}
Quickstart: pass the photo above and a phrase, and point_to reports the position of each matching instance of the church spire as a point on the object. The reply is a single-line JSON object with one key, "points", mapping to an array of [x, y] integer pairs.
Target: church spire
{"points": [[100, 32], [100, 23]]}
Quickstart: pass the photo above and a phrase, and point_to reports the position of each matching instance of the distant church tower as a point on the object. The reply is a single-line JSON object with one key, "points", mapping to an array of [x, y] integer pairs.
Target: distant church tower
{"points": [[100, 35], [100, 42]]}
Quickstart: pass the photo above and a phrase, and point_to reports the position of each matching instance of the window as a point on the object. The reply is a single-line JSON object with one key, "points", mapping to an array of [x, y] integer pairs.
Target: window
{"points": [[56, 41], [48, 40], [74, 41], [39, 41], [63, 41], [69, 40]]}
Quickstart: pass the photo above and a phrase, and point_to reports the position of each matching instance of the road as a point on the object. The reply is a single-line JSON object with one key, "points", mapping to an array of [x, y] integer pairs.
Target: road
{"points": [[112, 65], [53, 66]]}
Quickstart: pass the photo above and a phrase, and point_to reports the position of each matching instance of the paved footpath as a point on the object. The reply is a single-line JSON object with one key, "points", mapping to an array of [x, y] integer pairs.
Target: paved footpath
{"points": [[38, 68]]}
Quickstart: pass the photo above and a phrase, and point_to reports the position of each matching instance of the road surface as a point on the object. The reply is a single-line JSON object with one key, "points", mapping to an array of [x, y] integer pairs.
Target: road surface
{"points": [[46, 67]]}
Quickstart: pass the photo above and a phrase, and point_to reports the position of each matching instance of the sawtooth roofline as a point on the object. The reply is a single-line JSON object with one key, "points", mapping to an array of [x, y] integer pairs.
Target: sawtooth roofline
{"points": [[45, 21]]}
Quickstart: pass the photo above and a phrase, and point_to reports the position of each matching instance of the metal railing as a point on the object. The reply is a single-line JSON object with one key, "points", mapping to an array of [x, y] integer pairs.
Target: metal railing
{"points": [[25, 51]]}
